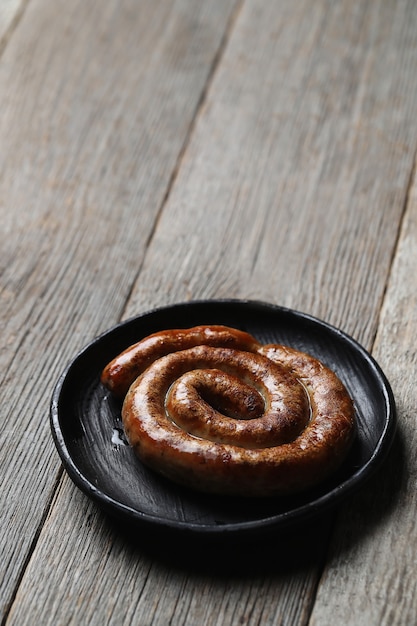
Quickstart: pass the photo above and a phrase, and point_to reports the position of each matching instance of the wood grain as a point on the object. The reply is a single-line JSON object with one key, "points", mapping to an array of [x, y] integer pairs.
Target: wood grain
{"points": [[300, 165], [375, 546], [292, 189], [95, 112], [145, 580]]}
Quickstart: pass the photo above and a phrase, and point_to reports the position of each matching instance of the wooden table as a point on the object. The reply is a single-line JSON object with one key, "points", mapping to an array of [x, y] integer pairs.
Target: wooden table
{"points": [[161, 151]]}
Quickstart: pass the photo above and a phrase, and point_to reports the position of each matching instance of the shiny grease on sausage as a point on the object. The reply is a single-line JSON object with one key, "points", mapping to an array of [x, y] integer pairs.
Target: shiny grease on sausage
{"points": [[243, 419]]}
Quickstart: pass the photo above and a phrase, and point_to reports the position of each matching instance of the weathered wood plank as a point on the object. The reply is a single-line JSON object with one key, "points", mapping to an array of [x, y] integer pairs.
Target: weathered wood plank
{"points": [[95, 112], [371, 575], [300, 162], [220, 587], [292, 190]]}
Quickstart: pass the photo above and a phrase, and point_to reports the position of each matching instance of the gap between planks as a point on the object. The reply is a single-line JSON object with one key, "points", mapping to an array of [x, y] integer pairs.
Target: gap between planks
{"points": [[411, 180], [410, 184], [200, 105], [216, 61], [32, 547]]}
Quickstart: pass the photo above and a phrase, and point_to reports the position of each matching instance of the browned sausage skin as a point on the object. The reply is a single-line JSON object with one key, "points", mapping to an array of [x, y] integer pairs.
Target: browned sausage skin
{"points": [[120, 373], [252, 420]]}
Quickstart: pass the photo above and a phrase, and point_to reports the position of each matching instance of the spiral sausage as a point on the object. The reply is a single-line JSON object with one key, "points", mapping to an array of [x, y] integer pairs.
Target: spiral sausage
{"points": [[248, 420]]}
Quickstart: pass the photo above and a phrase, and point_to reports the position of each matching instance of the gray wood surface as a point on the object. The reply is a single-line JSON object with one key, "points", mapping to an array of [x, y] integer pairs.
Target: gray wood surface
{"points": [[371, 573], [300, 161], [95, 113], [155, 152], [11, 12]]}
